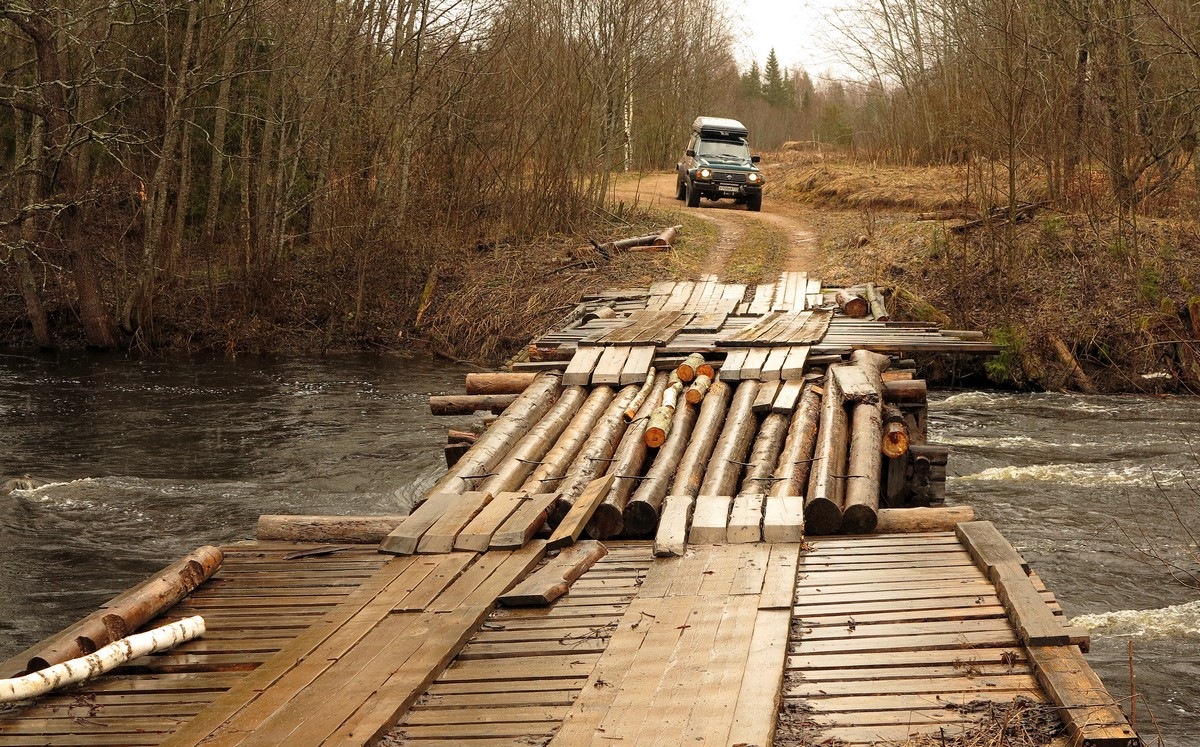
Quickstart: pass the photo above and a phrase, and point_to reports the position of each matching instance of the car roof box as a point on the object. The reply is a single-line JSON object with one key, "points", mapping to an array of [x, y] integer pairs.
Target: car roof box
{"points": [[719, 127]]}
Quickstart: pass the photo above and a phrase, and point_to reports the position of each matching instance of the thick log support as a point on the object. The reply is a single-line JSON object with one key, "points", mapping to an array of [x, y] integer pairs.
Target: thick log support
{"points": [[498, 440], [704, 437], [851, 304], [465, 404], [326, 529], [933, 519], [500, 382], [546, 476], [626, 467], [826, 483], [865, 463], [795, 461], [523, 457], [593, 458], [643, 509], [721, 477]]}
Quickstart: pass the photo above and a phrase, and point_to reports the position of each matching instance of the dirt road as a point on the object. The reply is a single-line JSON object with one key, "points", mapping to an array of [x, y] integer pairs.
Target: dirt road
{"points": [[658, 190]]}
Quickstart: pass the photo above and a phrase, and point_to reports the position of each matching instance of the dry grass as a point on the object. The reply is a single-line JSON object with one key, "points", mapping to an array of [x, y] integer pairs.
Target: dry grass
{"points": [[839, 181], [1119, 298]]}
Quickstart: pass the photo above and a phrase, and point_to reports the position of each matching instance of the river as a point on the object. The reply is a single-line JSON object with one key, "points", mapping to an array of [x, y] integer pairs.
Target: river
{"points": [[150, 459]]}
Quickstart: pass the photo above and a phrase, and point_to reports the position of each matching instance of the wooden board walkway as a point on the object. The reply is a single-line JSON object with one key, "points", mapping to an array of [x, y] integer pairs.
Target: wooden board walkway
{"points": [[854, 638]]}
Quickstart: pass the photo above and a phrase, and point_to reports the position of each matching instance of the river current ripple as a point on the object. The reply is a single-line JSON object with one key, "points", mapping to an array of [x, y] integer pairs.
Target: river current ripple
{"points": [[147, 460]]}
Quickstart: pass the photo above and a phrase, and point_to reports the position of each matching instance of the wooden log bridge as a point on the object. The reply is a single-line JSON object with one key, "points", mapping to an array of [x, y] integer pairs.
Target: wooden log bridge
{"points": [[710, 515]]}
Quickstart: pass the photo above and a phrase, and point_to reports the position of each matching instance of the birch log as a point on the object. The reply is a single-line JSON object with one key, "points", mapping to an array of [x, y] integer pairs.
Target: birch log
{"points": [[107, 658], [498, 382]]}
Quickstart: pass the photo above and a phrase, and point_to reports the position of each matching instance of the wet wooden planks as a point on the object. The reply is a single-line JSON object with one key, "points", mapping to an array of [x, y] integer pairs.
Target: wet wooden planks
{"points": [[892, 637], [697, 658], [261, 599], [522, 669]]}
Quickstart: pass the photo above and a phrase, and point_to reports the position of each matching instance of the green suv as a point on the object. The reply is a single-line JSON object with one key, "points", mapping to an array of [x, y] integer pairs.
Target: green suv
{"points": [[718, 165]]}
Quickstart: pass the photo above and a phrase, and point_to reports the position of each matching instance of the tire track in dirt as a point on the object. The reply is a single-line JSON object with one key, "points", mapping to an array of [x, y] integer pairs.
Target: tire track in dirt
{"points": [[658, 190]]}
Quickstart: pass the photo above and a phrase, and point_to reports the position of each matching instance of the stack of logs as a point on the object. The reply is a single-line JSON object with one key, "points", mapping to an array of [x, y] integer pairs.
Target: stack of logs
{"points": [[850, 438]]}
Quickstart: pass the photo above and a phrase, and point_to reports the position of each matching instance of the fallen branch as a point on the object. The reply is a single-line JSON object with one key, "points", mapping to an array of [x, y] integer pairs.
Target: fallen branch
{"points": [[110, 657]]}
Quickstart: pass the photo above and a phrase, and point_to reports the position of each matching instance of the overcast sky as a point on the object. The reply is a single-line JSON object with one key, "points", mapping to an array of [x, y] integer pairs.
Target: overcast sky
{"points": [[801, 31]]}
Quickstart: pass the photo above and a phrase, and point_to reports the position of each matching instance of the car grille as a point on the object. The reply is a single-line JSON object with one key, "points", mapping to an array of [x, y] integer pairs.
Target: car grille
{"points": [[730, 176]]}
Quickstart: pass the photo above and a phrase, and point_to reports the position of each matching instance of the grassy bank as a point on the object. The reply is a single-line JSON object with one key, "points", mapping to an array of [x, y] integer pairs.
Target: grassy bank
{"points": [[1081, 299]]}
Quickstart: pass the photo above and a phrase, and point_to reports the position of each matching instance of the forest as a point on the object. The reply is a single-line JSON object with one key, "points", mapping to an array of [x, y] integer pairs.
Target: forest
{"points": [[252, 174]]}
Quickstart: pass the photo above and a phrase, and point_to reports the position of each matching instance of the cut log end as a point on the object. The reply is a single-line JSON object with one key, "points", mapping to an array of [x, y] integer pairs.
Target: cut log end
{"points": [[859, 519], [822, 516], [607, 522], [641, 520]]}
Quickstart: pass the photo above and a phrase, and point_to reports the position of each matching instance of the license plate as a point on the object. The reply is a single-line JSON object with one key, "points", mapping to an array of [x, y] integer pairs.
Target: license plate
{"points": [[729, 188]]}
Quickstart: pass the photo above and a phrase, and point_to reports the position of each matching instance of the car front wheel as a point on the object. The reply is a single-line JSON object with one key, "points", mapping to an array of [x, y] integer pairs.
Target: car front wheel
{"points": [[754, 202], [693, 196], [680, 190]]}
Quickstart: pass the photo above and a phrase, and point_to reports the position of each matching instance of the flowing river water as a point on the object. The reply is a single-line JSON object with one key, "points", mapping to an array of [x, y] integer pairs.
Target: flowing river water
{"points": [[147, 460]]}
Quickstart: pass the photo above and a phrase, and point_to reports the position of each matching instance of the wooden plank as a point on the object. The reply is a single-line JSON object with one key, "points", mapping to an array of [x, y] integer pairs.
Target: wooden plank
{"points": [[755, 358], [637, 365], [579, 370], [765, 397], [581, 512], [524, 522], [987, 546], [404, 539], [478, 533], [671, 537], [710, 519], [761, 692], [1090, 714], [813, 296], [764, 295], [441, 535], [779, 581], [745, 520], [793, 365], [612, 362], [602, 686], [773, 368], [731, 369], [787, 396], [783, 519], [722, 681], [553, 579]]}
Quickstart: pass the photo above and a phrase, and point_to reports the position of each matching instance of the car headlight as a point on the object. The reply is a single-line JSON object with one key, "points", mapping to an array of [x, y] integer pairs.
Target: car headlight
{"points": [[754, 178], [704, 174]]}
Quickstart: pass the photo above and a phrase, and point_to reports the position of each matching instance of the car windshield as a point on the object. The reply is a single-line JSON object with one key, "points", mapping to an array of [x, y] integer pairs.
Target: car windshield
{"points": [[723, 149]]}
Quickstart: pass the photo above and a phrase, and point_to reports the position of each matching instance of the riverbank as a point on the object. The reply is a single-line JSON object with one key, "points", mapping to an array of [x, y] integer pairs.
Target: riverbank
{"points": [[1082, 301]]}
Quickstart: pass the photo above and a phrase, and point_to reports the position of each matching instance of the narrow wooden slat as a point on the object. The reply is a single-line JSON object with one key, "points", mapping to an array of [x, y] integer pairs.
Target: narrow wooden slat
{"points": [[793, 365], [637, 365], [671, 537], [441, 535], [762, 687], [581, 512], [745, 519], [710, 519], [523, 523], [579, 370], [755, 358], [478, 533], [612, 362], [552, 580], [731, 369], [404, 539]]}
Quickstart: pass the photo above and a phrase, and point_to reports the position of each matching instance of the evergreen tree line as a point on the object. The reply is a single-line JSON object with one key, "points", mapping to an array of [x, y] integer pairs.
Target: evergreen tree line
{"points": [[168, 157]]}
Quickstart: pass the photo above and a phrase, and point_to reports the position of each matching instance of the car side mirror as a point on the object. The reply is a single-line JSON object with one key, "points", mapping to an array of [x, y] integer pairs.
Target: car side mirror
{"points": [[754, 159], [690, 153]]}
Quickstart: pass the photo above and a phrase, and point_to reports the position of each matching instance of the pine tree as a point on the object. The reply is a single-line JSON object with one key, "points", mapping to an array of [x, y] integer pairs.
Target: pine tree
{"points": [[752, 82], [774, 87]]}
